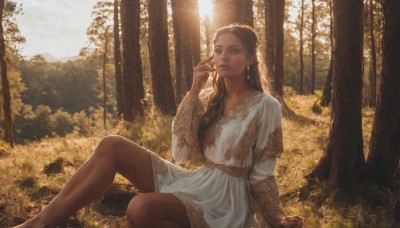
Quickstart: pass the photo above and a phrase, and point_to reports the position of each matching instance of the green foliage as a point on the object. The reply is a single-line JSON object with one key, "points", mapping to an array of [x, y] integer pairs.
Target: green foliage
{"points": [[42, 124], [152, 131], [83, 125], [61, 123], [100, 29], [39, 123], [12, 35], [59, 85]]}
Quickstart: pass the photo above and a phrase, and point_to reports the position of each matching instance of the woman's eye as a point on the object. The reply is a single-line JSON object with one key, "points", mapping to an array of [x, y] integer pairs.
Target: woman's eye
{"points": [[234, 51], [217, 51]]}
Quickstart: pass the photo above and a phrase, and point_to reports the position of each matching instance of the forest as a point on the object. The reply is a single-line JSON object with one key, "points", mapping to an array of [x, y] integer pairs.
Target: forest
{"points": [[332, 64]]}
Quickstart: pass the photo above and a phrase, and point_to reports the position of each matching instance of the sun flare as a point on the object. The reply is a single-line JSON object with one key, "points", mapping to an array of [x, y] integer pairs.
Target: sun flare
{"points": [[205, 8]]}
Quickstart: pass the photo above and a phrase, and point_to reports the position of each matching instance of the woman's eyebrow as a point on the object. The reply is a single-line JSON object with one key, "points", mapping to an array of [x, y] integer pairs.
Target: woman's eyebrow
{"points": [[233, 45]]}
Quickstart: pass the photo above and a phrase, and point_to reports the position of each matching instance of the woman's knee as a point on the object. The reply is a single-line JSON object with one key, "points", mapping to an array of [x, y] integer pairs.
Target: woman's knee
{"points": [[108, 145], [141, 210]]}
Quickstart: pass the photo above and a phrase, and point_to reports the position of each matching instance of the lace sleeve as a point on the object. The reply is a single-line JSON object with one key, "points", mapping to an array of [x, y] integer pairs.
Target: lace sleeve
{"points": [[185, 145], [266, 196], [269, 133]]}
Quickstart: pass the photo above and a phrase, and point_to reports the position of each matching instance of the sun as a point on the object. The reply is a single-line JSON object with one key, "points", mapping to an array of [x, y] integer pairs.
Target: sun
{"points": [[205, 9]]}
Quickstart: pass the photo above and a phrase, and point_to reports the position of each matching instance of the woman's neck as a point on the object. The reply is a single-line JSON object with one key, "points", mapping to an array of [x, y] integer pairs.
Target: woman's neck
{"points": [[236, 88]]}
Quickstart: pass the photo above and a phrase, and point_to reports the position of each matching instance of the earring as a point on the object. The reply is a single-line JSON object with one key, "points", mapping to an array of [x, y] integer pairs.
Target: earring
{"points": [[248, 72]]}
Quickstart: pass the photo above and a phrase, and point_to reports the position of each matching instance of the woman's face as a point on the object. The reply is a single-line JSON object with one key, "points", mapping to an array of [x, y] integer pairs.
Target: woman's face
{"points": [[230, 57]]}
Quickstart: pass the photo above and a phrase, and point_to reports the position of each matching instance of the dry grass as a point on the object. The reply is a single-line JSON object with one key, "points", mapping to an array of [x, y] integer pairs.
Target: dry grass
{"points": [[25, 188]]}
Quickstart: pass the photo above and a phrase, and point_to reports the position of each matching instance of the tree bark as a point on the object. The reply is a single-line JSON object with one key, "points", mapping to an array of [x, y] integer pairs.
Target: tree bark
{"points": [[313, 35], [327, 93], [383, 159], [372, 79], [344, 159], [207, 28], [5, 86], [249, 17], [301, 89], [270, 31], [132, 63], [117, 62], [187, 43], [279, 67], [274, 36], [163, 92], [106, 36]]}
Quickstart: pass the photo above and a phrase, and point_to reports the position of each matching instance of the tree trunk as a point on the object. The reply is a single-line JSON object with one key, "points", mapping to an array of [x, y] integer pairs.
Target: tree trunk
{"points": [[194, 33], [117, 62], [230, 11], [5, 86], [274, 37], [279, 67], [249, 17], [327, 93], [383, 159], [163, 92], [104, 79], [313, 35], [270, 31], [187, 43], [132, 63], [344, 160], [372, 80], [207, 28], [301, 89]]}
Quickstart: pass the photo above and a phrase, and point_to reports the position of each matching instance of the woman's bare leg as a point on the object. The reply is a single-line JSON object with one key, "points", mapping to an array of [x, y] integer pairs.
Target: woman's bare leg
{"points": [[113, 154], [156, 210]]}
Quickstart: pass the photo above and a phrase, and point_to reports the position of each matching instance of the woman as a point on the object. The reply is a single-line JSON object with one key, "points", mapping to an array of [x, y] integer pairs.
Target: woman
{"points": [[234, 130]]}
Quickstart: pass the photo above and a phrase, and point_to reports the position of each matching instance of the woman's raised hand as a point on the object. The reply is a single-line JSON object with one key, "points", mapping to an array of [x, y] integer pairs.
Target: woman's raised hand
{"points": [[201, 74]]}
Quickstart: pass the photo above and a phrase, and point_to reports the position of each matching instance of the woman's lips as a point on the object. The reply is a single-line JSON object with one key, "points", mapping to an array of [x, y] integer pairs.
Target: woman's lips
{"points": [[223, 66]]}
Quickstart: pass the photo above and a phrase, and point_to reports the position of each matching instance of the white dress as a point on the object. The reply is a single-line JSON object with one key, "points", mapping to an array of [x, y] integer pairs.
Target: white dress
{"points": [[235, 186]]}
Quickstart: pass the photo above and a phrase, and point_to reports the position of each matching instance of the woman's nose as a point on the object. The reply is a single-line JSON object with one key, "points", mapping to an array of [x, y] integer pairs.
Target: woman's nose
{"points": [[224, 55]]}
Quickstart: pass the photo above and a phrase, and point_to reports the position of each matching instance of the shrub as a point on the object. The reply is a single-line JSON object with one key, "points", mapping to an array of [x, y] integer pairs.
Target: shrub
{"points": [[62, 123]]}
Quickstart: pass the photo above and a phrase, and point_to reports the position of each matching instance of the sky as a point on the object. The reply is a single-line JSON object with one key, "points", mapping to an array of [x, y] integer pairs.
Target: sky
{"points": [[57, 27]]}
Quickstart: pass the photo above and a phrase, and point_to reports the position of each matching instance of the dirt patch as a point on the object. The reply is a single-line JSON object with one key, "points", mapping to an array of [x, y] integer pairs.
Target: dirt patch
{"points": [[54, 167]]}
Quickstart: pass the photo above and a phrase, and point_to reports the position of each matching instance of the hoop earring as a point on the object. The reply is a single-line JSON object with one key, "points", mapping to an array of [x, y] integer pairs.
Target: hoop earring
{"points": [[248, 72]]}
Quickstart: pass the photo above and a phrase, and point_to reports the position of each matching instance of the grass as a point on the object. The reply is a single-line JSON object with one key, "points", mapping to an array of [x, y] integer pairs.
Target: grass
{"points": [[31, 175]]}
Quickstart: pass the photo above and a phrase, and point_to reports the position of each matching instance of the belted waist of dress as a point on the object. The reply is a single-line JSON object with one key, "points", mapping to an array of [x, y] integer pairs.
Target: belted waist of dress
{"points": [[230, 170]]}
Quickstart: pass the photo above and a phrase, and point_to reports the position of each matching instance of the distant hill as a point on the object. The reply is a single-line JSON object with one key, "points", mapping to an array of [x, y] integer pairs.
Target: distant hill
{"points": [[71, 58], [50, 58]]}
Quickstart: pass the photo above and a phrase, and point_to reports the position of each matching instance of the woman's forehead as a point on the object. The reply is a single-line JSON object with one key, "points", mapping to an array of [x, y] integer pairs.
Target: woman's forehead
{"points": [[228, 39]]}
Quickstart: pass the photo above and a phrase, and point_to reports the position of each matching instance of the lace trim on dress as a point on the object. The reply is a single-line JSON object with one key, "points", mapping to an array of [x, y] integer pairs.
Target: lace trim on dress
{"points": [[242, 172], [193, 211], [187, 122], [241, 149], [183, 120], [241, 110], [274, 147], [255, 219], [266, 197]]}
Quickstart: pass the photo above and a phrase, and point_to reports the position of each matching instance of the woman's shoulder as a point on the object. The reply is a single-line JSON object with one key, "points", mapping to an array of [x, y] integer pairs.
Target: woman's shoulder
{"points": [[267, 99], [268, 102]]}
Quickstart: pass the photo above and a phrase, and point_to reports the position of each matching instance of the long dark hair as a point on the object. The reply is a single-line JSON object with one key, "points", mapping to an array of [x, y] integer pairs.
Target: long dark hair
{"points": [[214, 111]]}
